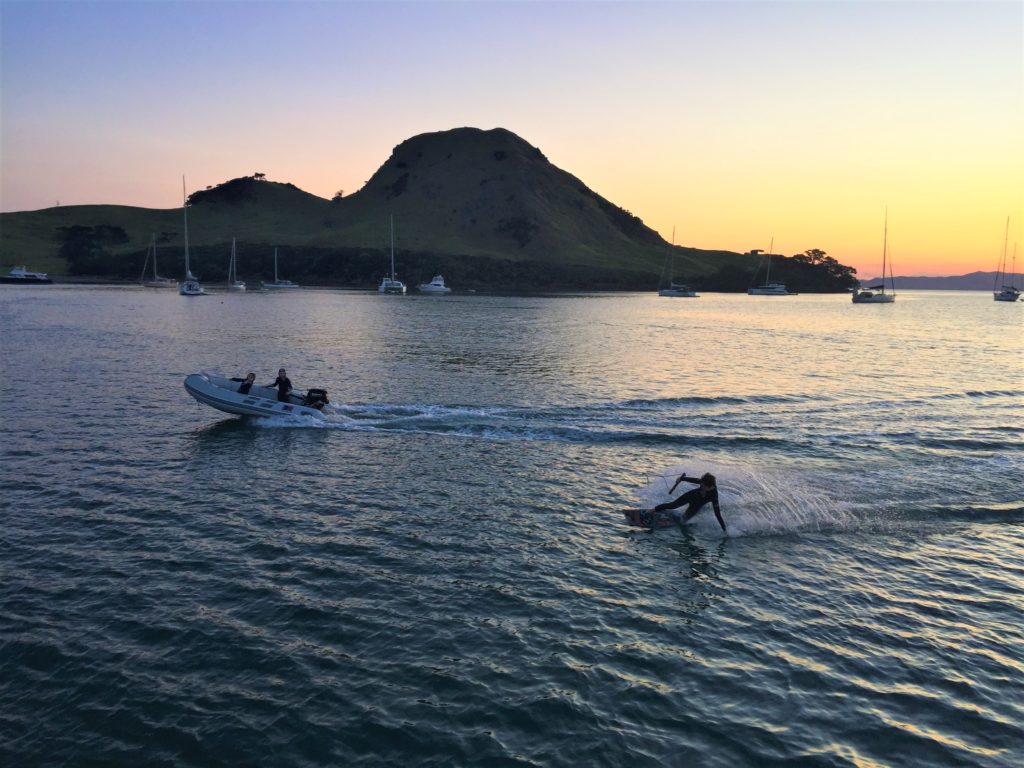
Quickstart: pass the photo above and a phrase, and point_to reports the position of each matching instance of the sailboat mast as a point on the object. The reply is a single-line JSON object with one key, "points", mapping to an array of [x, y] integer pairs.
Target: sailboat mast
{"points": [[885, 249], [1000, 273], [768, 272], [392, 247], [184, 208], [275, 264]]}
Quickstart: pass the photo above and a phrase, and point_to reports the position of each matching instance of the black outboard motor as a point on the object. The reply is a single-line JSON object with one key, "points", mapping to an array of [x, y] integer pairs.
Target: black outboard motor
{"points": [[316, 398]]}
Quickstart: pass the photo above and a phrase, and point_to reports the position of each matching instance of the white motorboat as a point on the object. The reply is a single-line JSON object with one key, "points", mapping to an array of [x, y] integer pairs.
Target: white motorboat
{"points": [[437, 285], [1006, 292], [190, 286], [278, 283], [22, 276], [875, 294], [156, 281], [392, 284], [234, 284], [222, 393]]}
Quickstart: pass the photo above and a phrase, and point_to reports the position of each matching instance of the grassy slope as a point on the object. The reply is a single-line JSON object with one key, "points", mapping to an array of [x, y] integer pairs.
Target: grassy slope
{"points": [[465, 192]]}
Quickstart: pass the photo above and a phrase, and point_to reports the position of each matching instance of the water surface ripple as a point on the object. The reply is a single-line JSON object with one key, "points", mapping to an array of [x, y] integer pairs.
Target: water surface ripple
{"points": [[437, 574]]}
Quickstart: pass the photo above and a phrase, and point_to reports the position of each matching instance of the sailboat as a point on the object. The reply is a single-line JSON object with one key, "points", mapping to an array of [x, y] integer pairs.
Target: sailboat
{"points": [[157, 281], [674, 289], [278, 283], [189, 286], [1006, 292], [875, 294], [769, 288], [234, 284], [391, 284]]}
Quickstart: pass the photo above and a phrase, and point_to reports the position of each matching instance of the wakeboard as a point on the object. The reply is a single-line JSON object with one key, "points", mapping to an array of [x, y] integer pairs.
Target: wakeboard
{"points": [[641, 518]]}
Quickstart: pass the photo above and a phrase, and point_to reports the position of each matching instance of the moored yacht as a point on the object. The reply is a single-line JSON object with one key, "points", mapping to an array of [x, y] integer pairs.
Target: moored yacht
{"points": [[234, 284], [22, 276], [392, 284], [768, 288], [875, 294], [156, 281], [1006, 292], [674, 289], [278, 283], [190, 286], [437, 285]]}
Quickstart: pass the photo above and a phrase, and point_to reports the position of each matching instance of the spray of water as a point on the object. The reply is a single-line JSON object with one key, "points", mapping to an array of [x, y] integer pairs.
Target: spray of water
{"points": [[754, 501]]}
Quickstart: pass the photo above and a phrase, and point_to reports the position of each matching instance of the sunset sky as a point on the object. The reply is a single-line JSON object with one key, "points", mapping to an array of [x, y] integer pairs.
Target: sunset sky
{"points": [[732, 122]]}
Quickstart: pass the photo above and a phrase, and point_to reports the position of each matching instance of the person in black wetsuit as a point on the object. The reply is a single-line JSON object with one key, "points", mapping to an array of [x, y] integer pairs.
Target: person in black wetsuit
{"points": [[283, 384], [696, 498], [245, 386]]}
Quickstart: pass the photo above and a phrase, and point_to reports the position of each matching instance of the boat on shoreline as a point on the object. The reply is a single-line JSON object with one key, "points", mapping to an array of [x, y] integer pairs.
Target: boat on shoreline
{"points": [[875, 294], [233, 284], [157, 281], [277, 283], [222, 393], [392, 285], [436, 285], [21, 276], [1006, 292], [190, 286], [768, 288], [674, 289]]}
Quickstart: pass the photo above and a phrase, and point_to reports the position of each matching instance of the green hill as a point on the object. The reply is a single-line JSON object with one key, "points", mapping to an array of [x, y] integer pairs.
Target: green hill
{"points": [[484, 207]]}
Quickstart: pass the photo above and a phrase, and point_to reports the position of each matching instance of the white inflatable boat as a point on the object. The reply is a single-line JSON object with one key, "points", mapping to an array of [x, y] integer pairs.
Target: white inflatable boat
{"points": [[222, 393]]}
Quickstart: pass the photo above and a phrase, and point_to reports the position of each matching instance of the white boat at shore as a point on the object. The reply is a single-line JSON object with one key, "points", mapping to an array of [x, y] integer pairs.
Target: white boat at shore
{"points": [[234, 284], [768, 288], [1006, 292], [392, 285], [436, 285], [875, 294], [674, 289], [156, 281], [190, 286], [222, 393], [277, 283], [20, 275]]}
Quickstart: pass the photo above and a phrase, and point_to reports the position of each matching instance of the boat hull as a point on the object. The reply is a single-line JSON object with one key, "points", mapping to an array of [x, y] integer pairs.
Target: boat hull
{"points": [[25, 280], [221, 393], [1005, 295], [873, 298], [772, 289], [678, 293]]}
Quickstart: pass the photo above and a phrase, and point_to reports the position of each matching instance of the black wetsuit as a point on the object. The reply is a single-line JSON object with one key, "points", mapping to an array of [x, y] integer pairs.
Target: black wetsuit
{"points": [[696, 499], [245, 387], [284, 386]]}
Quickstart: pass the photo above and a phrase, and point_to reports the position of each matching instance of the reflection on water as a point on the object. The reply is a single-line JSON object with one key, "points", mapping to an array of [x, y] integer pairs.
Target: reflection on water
{"points": [[438, 573]]}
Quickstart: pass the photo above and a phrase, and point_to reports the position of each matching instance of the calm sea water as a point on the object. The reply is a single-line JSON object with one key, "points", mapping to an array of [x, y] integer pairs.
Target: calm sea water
{"points": [[438, 575]]}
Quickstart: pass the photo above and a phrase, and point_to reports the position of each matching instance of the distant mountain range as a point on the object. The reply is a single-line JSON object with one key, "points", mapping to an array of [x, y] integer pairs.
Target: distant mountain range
{"points": [[975, 281], [484, 207]]}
